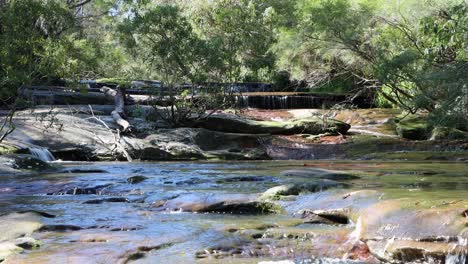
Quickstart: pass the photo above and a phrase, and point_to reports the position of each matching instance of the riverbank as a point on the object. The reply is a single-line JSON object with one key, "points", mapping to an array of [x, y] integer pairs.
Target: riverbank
{"points": [[87, 133]]}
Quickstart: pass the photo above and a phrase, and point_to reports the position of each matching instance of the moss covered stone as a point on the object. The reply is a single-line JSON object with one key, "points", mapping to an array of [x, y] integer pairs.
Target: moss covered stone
{"points": [[413, 127], [447, 133]]}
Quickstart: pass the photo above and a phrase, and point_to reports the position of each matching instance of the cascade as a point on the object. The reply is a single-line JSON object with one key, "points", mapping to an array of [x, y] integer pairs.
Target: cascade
{"points": [[42, 154]]}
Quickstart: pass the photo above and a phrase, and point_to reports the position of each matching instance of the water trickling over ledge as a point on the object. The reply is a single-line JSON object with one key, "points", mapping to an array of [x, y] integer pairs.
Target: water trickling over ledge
{"points": [[42, 154]]}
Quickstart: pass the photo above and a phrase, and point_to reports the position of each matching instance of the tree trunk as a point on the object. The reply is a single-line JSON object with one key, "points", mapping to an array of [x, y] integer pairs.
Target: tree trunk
{"points": [[119, 113]]}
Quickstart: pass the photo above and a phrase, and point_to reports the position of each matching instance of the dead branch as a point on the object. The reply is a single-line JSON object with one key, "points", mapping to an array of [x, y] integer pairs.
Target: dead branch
{"points": [[116, 136]]}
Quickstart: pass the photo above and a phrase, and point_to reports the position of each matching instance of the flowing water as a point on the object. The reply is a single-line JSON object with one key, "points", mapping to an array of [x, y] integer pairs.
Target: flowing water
{"points": [[393, 207], [42, 154]]}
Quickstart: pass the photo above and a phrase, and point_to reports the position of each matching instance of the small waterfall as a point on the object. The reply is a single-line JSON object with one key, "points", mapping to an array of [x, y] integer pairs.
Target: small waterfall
{"points": [[42, 154], [276, 101], [459, 253]]}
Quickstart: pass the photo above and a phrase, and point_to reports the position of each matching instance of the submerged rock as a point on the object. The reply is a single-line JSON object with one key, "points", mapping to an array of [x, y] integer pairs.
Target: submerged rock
{"points": [[59, 228], [246, 179], [136, 179], [23, 162], [251, 208], [296, 189], [84, 171], [108, 200], [316, 173], [82, 190]]}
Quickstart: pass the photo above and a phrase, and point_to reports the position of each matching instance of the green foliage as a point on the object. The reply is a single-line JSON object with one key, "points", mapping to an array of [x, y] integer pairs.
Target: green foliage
{"points": [[412, 53], [164, 39], [38, 45]]}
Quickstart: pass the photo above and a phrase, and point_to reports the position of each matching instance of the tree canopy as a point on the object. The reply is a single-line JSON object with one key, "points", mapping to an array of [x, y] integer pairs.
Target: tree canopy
{"points": [[410, 54]]}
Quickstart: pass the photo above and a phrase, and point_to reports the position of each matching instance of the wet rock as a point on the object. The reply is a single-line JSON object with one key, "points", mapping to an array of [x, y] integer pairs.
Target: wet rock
{"points": [[59, 228], [334, 216], [246, 179], [7, 249], [296, 189], [251, 208], [40, 213], [221, 203], [191, 181], [157, 247], [126, 229], [17, 225], [84, 171], [361, 252], [28, 243], [82, 190], [315, 173], [219, 252], [24, 162], [133, 256], [405, 251], [108, 200], [136, 179], [384, 220]]}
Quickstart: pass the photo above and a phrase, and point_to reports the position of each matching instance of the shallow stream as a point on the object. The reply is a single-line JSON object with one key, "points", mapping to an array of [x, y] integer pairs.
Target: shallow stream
{"points": [[155, 218]]}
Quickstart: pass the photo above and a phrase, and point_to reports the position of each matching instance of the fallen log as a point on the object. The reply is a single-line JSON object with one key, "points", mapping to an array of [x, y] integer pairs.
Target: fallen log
{"points": [[57, 96]]}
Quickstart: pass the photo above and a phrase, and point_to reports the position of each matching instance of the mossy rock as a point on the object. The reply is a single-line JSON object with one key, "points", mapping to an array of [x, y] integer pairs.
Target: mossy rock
{"points": [[413, 127], [6, 149], [447, 133]]}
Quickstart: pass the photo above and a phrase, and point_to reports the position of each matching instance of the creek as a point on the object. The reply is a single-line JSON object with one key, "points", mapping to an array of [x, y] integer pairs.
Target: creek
{"points": [[155, 212]]}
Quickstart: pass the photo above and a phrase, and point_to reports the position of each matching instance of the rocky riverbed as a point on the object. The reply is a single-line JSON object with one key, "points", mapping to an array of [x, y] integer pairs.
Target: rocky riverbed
{"points": [[88, 133], [236, 212]]}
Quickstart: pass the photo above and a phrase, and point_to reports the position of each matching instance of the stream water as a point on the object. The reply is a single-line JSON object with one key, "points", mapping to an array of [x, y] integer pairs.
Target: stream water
{"points": [[149, 218]]}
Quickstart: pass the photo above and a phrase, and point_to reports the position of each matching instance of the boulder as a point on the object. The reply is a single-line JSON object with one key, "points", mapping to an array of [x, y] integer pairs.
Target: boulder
{"points": [[136, 179], [332, 216], [234, 124], [23, 162], [222, 203], [410, 251], [296, 189], [413, 127], [447, 133], [199, 143]]}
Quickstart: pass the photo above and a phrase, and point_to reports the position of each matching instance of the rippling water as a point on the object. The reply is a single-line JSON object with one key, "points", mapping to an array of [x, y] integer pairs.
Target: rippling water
{"points": [[111, 232]]}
